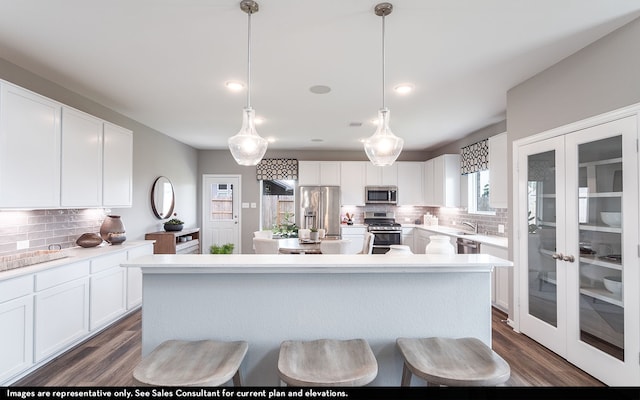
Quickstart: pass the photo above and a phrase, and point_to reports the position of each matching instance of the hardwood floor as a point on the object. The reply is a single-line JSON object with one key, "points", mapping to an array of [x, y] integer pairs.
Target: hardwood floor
{"points": [[109, 358]]}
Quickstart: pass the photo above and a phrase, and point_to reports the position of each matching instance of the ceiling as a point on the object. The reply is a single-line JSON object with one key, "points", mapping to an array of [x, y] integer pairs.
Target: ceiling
{"points": [[164, 63]]}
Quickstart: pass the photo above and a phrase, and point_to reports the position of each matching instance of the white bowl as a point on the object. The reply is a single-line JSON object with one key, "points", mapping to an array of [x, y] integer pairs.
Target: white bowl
{"points": [[613, 284], [613, 219]]}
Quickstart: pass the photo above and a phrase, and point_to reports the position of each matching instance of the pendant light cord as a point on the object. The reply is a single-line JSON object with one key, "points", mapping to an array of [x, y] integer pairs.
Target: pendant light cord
{"points": [[383, 59], [249, 61]]}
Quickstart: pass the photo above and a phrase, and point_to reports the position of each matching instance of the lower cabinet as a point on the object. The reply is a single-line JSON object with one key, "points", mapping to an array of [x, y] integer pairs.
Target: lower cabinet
{"points": [[407, 238], [134, 276], [61, 317], [500, 278], [16, 337], [356, 236]]}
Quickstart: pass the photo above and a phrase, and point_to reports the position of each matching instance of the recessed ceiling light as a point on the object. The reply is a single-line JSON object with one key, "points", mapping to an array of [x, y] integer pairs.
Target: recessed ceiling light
{"points": [[234, 86], [404, 88], [355, 124], [317, 140], [320, 89]]}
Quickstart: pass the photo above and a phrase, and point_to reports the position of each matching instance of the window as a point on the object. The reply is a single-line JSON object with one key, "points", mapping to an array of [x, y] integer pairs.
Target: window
{"points": [[479, 193]]}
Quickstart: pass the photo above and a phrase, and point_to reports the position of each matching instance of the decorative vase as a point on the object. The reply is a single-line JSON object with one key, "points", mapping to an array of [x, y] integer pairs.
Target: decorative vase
{"points": [[173, 227], [112, 230], [399, 249], [439, 244], [89, 240]]}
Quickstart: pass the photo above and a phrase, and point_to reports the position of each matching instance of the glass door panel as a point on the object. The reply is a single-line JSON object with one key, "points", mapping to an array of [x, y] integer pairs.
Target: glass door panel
{"points": [[541, 219], [600, 188]]}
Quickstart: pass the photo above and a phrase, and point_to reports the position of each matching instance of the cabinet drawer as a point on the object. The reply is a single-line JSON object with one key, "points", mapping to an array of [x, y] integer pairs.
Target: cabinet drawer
{"points": [[57, 276], [17, 287], [104, 263], [349, 230]]}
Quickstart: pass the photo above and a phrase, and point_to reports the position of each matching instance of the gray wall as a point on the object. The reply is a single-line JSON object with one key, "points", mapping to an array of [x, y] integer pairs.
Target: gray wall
{"points": [[602, 77], [154, 154]]}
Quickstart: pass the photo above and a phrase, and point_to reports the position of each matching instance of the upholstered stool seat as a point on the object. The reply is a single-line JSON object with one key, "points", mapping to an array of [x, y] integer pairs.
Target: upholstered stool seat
{"points": [[327, 362], [452, 362], [196, 363]]}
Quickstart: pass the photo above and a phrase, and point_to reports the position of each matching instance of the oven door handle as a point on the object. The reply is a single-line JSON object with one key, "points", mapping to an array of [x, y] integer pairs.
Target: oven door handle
{"points": [[383, 231]]}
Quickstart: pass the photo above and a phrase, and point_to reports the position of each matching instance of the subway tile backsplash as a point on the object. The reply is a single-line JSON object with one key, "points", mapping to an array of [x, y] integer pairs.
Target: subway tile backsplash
{"points": [[43, 228], [451, 217]]}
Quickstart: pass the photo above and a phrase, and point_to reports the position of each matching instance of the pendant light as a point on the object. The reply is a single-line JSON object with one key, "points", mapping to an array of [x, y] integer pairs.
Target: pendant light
{"points": [[247, 147], [383, 147]]}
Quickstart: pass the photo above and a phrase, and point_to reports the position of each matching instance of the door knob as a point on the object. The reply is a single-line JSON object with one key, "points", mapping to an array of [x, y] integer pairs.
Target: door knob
{"points": [[557, 256], [568, 258]]}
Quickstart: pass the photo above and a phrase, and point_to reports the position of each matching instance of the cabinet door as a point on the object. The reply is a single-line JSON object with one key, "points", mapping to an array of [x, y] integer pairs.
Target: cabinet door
{"points": [[16, 337], [117, 167], [566, 186], [81, 177], [381, 176], [309, 173], [446, 180], [407, 238], [429, 184], [352, 177], [61, 317], [330, 173], [410, 183], [500, 278], [498, 171], [134, 276], [108, 297], [29, 149]]}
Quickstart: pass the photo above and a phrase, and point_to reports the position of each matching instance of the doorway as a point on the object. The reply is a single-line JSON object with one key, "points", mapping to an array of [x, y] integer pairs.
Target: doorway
{"points": [[221, 211]]}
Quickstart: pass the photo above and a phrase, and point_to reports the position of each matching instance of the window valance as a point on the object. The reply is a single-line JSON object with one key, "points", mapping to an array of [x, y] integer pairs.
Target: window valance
{"points": [[277, 168], [474, 157]]}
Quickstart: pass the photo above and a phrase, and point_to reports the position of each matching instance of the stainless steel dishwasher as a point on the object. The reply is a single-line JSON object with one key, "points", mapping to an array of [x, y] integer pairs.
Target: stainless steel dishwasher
{"points": [[467, 246]]}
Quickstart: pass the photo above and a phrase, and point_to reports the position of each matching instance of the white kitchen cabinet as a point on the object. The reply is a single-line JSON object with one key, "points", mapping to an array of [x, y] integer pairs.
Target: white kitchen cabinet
{"points": [[565, 250], [352, 178], [420, 240], [499, 278], [61, 309], [442, 181], [381, 176], [108, 289], [314, 173], [81, 170], [16, 318], [356, 236], [410, 183], [29, 149], [117, 190], [408, 237], [498, 197], [134, 276]]}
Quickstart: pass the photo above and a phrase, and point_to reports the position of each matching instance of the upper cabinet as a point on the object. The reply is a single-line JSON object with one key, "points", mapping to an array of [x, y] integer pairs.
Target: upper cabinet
{"points": [[352, 179], [442, 181], [29, 149], [381, 176], [498, 171], [81, 176], [314, 173], [410, 183], [117, 167], [53, 156]]}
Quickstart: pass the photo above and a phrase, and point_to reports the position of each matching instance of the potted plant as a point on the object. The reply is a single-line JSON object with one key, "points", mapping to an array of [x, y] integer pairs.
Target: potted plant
{"points": [[226, 248], [173, 225], [313, 235]]}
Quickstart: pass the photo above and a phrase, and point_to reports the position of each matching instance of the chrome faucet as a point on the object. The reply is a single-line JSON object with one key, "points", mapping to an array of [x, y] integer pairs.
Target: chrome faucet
{"points": [[472, 225]]}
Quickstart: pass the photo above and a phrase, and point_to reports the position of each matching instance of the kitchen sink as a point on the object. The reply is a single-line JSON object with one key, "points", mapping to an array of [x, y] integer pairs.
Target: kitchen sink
{"points": [[465, 233]]}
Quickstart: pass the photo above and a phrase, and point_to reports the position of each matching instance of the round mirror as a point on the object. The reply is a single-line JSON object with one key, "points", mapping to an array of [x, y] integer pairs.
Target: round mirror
{"points": [[162, 198]]}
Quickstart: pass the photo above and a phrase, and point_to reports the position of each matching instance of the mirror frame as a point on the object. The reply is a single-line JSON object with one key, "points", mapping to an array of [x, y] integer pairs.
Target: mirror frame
{"points": [[157, 198]]}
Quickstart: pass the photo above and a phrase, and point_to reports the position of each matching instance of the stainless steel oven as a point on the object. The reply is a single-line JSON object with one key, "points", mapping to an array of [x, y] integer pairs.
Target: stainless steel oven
{"points": [[385, 230]]}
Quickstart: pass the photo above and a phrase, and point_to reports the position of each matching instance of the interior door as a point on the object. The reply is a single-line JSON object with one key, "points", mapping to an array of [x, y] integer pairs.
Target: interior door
{"points": [[602, 228], [543, 281], [221, 211]]}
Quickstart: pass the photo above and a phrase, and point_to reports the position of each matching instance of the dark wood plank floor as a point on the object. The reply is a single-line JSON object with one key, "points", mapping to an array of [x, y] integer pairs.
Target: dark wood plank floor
{"points": [[109, 358]]}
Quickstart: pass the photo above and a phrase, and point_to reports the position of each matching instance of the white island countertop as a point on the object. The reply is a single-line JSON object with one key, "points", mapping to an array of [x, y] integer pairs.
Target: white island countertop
{"points": [[328, 263]]}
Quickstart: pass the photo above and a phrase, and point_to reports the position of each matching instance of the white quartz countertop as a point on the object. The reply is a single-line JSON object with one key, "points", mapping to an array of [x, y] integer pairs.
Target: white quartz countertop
{"points": [[327, 263], [74, 254], [497, 241]]}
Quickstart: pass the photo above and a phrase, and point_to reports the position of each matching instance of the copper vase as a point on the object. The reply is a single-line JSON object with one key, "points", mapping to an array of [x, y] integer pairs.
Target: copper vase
{"points": [[112, 229]]}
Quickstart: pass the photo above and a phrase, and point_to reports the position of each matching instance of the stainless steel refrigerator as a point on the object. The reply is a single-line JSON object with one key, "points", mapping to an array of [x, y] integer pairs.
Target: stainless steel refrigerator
{"points": [[319, 207]]}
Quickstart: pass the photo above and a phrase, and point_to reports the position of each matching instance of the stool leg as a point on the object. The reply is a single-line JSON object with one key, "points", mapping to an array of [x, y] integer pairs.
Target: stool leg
{"points": [[406, 376], [236, 379]]}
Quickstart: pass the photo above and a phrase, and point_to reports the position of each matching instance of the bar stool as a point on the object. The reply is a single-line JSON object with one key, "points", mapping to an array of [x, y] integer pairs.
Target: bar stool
{"points": [[452, 362], [327, 362], [197, 363]]}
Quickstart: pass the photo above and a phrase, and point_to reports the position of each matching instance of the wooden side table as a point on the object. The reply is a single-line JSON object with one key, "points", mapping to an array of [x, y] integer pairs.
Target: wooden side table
{"points": [[186, 241]]}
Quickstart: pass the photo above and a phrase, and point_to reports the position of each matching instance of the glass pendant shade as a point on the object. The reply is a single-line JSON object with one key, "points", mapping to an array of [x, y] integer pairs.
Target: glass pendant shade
{"points": [[383, 147], [247, 147]]}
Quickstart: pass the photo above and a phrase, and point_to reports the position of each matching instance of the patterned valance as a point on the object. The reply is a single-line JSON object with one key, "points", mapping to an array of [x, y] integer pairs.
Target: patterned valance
{"points": [[269, 169], [475, 157]]}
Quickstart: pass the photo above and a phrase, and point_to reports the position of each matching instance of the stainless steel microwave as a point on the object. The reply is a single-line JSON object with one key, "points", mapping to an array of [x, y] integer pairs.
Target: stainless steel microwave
{"points": [[381, 194]]}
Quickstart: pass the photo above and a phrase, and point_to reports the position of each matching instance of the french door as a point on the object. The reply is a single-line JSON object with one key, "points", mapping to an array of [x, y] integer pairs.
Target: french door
{"points": [[578, 248]]}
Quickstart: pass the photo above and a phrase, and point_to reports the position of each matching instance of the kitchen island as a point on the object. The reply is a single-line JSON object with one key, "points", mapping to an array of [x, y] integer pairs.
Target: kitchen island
{"points": [[266, 299]]}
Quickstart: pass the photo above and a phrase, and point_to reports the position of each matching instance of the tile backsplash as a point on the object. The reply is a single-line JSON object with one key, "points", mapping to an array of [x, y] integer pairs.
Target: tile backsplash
{"points": [[43, 228], [452, 217]]}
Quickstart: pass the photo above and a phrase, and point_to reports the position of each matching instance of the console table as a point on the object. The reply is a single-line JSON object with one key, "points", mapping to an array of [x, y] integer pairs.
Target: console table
{"points": [[186, 241]]}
